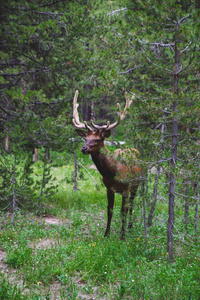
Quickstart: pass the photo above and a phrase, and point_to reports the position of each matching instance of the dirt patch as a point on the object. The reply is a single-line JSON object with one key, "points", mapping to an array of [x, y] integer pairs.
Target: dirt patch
{"points": [[57, 289], [48, 242], [55, 221], [2, 255], [82, 288], [43, 244], [52, 221], [89, 296], [3, 265], [8, 272]]}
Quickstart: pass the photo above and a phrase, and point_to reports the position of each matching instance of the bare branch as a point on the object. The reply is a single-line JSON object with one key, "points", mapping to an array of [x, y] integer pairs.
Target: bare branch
{"points": [[186, 48], [183, 19], [164, 45], [116, 11], [128, 71], [25, 72]]}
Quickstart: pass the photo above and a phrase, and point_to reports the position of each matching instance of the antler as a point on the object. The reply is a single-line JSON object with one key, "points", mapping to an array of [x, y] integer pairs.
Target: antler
{"points": [[121, 115], [109, 126], [75, 119]]}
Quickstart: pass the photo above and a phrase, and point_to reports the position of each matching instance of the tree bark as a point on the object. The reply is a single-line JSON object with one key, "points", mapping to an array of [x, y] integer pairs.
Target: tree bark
{"points": [[43, 179], [35, 155], [144, 212], [155, 191], [14, 206], [153, 205], [7, 149], [75, 171], [173, 154], [171, 217], [186, 208], [197, 208], [47, 154]]}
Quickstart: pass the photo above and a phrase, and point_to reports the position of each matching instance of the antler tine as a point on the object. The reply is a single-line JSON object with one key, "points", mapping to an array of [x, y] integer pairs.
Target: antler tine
{"points": [[99, 127], [121, 113], [75, 119]]}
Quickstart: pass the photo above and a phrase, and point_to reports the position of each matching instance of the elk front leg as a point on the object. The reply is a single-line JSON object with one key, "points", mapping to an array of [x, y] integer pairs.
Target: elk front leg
{"points": [[110, 196], [123, 214]]}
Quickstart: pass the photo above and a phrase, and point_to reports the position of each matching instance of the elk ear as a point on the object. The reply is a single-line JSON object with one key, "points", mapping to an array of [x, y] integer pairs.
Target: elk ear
{"points": [[81, 133], [106, 133]]}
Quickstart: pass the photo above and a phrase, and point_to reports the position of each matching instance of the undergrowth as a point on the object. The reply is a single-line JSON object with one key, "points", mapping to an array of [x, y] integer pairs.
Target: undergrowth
{"points": [[70, 258]]}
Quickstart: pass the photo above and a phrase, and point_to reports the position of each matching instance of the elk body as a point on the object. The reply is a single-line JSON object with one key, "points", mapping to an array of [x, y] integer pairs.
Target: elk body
{"points": [[120, 171]]}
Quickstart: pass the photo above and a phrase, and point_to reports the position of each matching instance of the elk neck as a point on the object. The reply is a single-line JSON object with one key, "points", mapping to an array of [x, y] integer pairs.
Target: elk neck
{"points": [[103, 162]]}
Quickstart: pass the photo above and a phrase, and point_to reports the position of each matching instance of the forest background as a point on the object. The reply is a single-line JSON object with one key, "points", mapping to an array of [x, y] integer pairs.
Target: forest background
{"points": [[150, 49]]}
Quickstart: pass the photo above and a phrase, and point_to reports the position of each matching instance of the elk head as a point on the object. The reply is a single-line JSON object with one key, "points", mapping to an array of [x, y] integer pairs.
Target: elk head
{"points": [[95, 135]]}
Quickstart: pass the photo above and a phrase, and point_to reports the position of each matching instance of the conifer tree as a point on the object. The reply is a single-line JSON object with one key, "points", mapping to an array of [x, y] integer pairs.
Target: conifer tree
{"points": [[162, 63]]}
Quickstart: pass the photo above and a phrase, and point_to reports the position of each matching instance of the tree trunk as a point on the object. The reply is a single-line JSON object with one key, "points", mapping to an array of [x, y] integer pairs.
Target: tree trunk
{"points": [[47, 154], [7, 149], [43, 180], [197, 207], [197, 203], [171, 217], [14, 206], [186, 208], [35, 155], [155, 191], [75, 171], [172, 188], [153, 205], [144, 212], [85, 108], [173, 154]]}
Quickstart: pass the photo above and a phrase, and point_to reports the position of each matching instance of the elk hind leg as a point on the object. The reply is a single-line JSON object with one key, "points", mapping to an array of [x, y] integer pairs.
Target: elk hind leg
{"points": [[132, 196], [124, 211], [110, 196]]}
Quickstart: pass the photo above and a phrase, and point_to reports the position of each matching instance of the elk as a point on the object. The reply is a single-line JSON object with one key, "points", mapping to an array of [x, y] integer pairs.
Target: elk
{"points": [[120, 171]]}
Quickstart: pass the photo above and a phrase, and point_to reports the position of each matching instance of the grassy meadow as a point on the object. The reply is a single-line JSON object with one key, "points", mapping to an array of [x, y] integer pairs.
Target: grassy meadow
{"points": [[61, 253]]}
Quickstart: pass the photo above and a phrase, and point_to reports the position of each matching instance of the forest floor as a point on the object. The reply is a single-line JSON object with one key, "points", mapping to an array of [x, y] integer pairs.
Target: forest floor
{"points": [[16, 278], [58, 252]]}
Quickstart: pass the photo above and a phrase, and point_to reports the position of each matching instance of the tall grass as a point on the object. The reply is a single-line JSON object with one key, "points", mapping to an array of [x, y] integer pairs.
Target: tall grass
{"points": [[70, 258]]}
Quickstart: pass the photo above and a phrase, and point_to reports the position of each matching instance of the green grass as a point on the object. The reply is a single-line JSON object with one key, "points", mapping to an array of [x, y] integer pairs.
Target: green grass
{"points": [[79, 254], [70, 258]]}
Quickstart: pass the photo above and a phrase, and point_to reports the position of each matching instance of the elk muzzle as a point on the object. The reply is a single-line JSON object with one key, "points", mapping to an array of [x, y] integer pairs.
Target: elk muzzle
{"points": [[84, 149]]}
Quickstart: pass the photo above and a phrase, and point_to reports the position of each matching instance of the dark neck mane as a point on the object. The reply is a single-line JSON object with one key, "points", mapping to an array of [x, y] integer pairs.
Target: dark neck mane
{"points": [[103, 164]]}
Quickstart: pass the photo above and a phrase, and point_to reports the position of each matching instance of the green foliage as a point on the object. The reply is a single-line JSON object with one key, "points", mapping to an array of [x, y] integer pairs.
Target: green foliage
{"points": [[20, 186], [19, 257], [15, 186], [8, 292]]}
